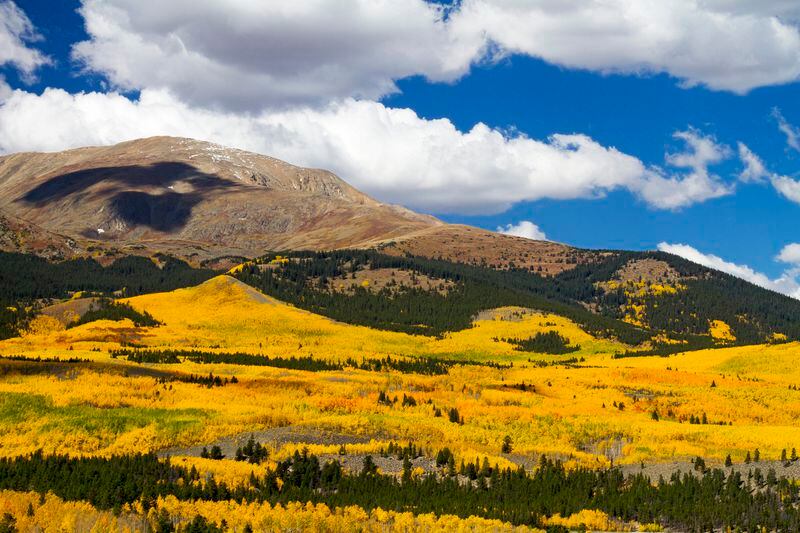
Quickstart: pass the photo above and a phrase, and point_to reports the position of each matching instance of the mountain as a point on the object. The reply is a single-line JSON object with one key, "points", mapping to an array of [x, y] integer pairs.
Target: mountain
{"points": [[212, 206], [190, 198], [478, 247], [199, 201]]}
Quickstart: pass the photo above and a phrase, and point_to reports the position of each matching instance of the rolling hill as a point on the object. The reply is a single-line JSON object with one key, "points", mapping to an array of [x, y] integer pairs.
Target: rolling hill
{"points": [[216, 207], [634, 297]]}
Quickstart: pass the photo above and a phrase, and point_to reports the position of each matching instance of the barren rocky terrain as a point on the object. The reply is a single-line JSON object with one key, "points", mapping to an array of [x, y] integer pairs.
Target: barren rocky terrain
{"points": [[201, 201], [194, 199]]}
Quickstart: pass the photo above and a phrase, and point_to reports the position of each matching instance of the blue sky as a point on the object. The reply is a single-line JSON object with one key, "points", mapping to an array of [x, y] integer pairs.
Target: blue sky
{"points": [[390, 99], [636, 114]]}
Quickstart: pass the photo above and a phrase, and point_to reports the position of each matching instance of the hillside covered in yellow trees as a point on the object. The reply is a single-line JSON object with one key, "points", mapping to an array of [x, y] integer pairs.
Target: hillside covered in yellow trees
{"points": [[303, 421], [399, 266]]}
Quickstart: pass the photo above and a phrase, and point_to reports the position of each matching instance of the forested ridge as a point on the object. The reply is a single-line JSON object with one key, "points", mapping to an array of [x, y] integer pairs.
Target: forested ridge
{"points": [[110, 310], [754, 314], [26, 278], [551, 342], [304, 278], [709, 500], [303, 281]]}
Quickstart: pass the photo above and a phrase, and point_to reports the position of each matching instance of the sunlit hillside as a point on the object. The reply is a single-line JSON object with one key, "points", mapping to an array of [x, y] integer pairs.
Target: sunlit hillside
{"points": [[226, 315], [585, 407], [399, 266], [568, 409]]}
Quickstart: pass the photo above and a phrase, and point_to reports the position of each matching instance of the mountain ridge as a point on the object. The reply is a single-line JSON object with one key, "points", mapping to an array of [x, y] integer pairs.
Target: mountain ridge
{"points": [[193, 199], [201, 201]]}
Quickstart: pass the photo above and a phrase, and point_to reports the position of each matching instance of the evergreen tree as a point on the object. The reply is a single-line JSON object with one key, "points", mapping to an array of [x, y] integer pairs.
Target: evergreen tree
{"points": [[216, 453], [8, 524], [369, 467], [406, 469]]}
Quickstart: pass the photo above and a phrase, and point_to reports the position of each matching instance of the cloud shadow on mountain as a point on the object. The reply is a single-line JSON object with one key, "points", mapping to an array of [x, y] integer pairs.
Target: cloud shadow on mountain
{"points": [[129, 192]]}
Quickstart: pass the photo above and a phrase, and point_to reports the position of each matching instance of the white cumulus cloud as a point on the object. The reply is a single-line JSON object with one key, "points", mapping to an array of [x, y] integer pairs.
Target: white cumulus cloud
{"points": [[784, 9], [790, 254], [256, 54], [722, 45], [697, 184], [390, 153], [525, 228], [787, 187], [791, 132], [754, 170], [787, 283], [16, 34], [252, 54]]}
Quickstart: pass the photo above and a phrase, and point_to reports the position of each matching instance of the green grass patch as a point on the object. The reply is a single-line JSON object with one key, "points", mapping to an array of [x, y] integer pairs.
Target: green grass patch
{"points": [[17, 408]]}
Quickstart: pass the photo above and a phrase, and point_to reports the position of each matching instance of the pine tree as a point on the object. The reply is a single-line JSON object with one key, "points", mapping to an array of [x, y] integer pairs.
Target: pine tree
{"points": [[507, 445], [454, 416], [406, 469], [8, 524], [369, 467], [486, 469], [216, 453], [451, 466], [700, 464]]}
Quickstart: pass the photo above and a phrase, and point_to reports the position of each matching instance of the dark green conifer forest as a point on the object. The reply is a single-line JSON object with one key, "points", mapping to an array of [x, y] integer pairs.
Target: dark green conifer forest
{"points": [[703, 501]]}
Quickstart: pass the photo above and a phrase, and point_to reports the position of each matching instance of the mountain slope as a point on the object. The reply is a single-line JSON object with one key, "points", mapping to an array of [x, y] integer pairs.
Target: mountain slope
{"points": [[193, 199], [197, 200], [479, 247], [200, 201], [634, 297]]}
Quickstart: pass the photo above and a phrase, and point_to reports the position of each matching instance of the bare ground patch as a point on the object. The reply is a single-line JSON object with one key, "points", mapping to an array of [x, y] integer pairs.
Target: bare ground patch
{"points": [[790, 470], [276, 437]]}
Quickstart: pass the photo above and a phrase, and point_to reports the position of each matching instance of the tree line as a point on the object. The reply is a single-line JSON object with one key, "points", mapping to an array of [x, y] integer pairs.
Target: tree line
{"points": [[110, 310], [707, 499], [549, 342], [413, 309], [410, 365], [25, 279], [753, 313]]}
